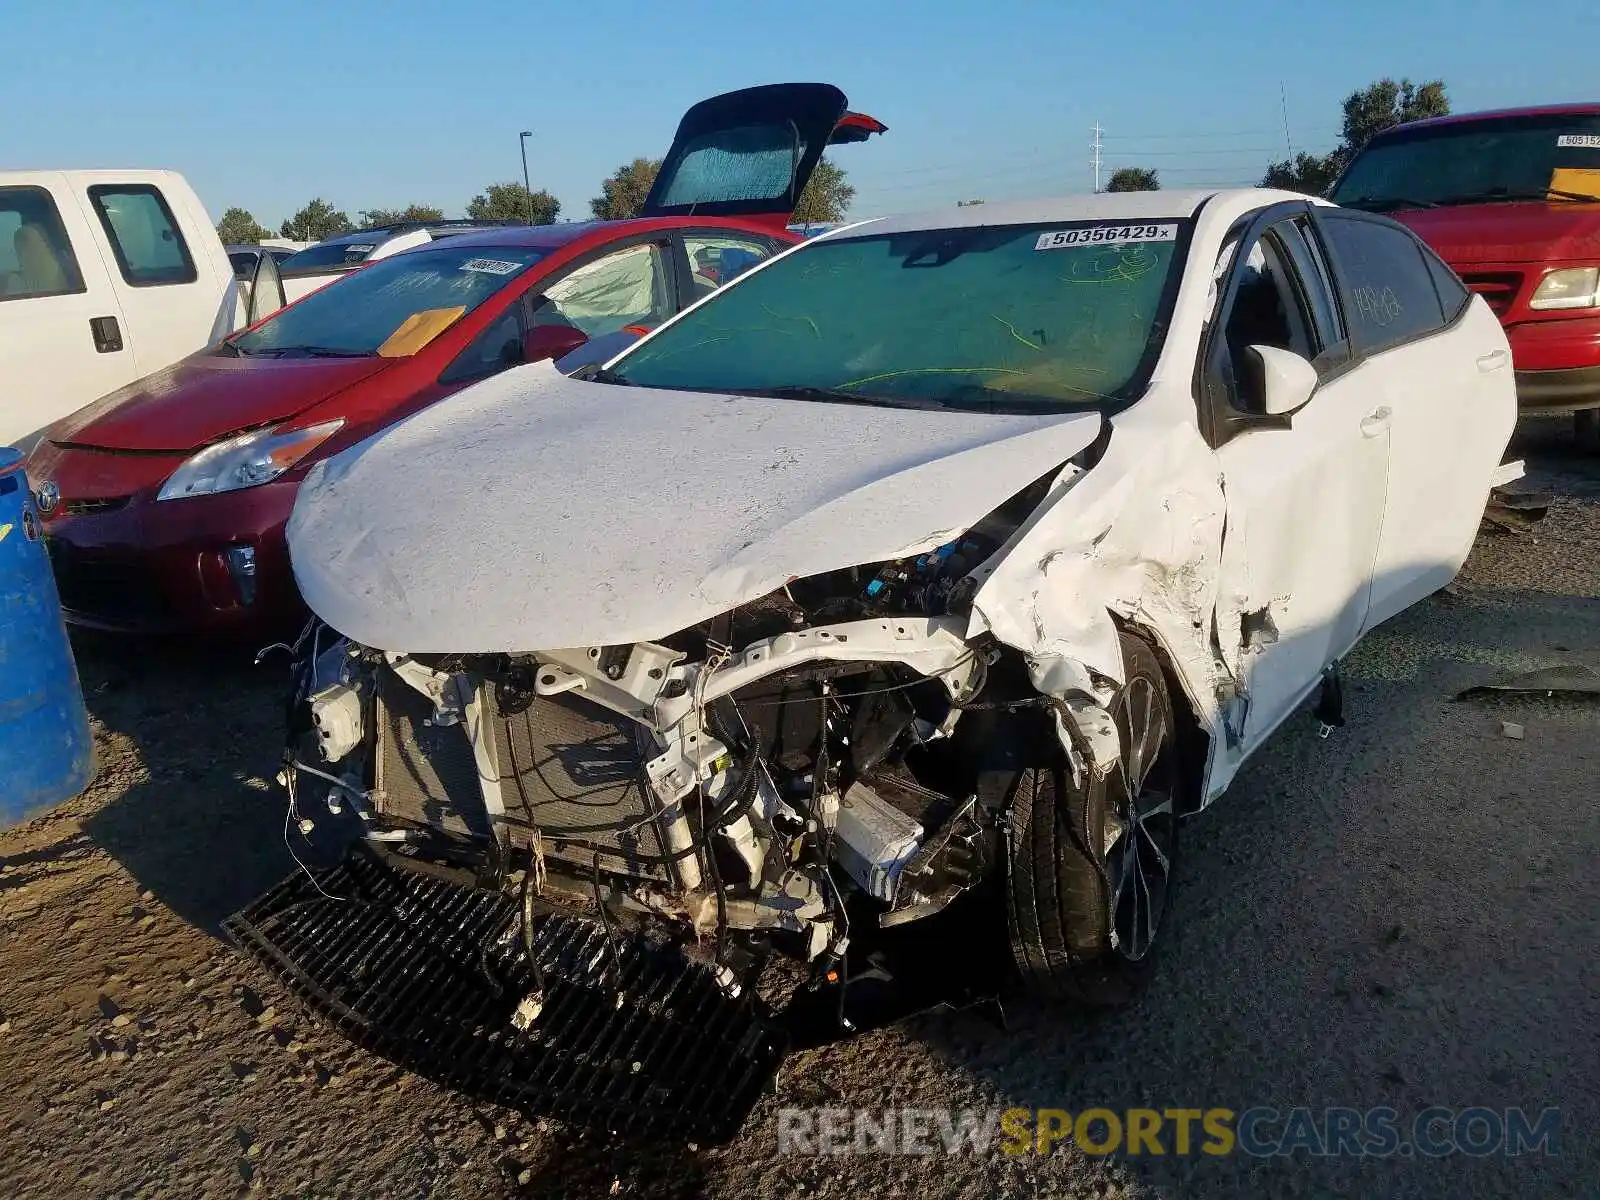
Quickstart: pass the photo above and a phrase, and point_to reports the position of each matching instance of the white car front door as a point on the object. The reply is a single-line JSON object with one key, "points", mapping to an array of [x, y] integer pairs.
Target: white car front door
{"points": [[1444, 366], [63, 338], [1304, 491], [169, 293]]}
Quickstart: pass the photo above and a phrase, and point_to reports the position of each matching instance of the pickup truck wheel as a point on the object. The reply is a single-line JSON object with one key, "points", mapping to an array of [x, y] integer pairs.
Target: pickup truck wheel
{"points": [[1089, 869], [1586, 430]]}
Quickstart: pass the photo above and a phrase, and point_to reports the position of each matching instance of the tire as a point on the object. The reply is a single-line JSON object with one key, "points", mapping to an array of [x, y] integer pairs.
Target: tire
{"points": [[1076, 929], [1586, 430]]}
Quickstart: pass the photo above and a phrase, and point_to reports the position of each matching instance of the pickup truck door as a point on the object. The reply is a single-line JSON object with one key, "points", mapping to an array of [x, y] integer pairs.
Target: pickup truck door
{"points": [[169, 287], [63, 334], [1305, 490]]}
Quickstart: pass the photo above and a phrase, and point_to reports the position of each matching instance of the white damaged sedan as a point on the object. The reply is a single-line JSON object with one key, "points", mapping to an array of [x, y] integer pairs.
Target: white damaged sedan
{"points": [[966, 550]]}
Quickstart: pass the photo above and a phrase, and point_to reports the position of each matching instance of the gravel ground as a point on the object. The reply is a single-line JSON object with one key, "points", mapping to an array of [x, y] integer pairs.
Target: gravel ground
{"points": [[1403, 914]]}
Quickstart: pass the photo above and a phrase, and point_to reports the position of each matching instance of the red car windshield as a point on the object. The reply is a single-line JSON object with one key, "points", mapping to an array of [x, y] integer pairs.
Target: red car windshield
{"points": [[391, 308], [1498, 158]]}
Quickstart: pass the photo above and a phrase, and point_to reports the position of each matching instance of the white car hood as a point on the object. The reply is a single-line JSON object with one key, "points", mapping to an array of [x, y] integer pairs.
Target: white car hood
{"points": [[534, 511]]}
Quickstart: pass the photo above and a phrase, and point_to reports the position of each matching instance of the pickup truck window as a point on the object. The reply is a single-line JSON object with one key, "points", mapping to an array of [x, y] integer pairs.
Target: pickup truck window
{"points": [[36, 258], [144, 236]]}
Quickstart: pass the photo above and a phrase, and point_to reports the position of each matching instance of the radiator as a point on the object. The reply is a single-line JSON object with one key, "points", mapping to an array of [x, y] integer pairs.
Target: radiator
{"points": [[565, 765]]}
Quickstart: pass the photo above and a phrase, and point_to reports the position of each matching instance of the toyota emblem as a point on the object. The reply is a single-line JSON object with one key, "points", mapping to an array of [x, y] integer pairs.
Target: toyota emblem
{"points": [[48, 497]]}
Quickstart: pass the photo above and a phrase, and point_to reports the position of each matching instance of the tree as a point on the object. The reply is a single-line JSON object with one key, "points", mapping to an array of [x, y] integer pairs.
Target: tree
{"points": [[316, 221], [1311, 174], [826, 198], [1134, 179], [239, 228], [623, 193], [375, 218], [509, 202], [1367, 113]]}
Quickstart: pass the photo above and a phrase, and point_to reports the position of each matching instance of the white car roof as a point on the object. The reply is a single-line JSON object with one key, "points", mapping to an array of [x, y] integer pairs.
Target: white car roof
{"points": [[1095, 206]]}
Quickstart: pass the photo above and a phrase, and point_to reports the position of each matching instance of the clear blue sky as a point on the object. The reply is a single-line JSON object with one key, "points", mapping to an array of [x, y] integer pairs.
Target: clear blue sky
{"points": [[378, 105]]}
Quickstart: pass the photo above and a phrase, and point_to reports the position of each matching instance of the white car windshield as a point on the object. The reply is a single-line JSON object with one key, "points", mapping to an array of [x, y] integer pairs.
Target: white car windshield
{"points": [[1010, 318]]}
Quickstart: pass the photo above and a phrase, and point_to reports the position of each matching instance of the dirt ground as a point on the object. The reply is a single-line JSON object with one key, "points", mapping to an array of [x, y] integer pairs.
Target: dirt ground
{"points": [[1406, 913]]}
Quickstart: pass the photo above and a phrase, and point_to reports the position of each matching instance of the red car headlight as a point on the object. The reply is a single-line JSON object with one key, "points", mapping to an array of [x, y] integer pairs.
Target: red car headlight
{"points": [[245, 461]]}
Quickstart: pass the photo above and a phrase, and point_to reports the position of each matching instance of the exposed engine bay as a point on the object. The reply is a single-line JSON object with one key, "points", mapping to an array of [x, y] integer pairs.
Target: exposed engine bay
{"points": [[751, 785]]}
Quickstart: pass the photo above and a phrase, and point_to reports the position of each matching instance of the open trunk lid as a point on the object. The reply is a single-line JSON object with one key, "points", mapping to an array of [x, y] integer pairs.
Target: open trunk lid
{"points": [[751, 153]]}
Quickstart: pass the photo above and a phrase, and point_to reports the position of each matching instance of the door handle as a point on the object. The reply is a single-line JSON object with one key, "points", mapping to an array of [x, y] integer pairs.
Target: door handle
{"points": [[1376, 421], [107, 334], [1494, 360]]}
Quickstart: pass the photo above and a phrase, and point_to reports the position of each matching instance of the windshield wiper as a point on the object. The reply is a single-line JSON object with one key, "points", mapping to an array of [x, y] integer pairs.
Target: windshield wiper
{"points": [[599, 374], [824, 395], [329, 352], [1510, 194], [1385, 203], [307, 351]]}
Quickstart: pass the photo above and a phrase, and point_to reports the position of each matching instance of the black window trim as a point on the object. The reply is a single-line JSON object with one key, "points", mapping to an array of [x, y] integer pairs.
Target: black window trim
{"points": [[1332, 360], [99, 190], [1431, 257], [76, 268]]}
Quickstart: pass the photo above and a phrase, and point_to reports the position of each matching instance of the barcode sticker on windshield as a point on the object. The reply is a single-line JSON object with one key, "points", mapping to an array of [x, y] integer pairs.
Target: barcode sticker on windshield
{"points": [[490, 266], [1105, 235], [1585, 141]]}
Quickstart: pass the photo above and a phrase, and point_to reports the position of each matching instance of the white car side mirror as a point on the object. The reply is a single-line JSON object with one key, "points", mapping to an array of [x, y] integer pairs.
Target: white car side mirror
{"points": [[1287, 379]]}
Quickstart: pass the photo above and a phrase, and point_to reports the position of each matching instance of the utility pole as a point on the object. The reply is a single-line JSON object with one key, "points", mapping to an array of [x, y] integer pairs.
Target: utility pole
{"points": [[527, 188], [1094, 159]]}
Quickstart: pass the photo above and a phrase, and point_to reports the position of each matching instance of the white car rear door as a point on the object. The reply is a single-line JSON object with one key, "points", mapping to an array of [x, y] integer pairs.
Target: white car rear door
{"points": [[1304, 491], [1444, 366]]}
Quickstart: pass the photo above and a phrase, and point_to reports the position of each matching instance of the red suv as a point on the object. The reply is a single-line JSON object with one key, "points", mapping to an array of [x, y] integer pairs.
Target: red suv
{"points": [[1511, 200], [165, 502]]}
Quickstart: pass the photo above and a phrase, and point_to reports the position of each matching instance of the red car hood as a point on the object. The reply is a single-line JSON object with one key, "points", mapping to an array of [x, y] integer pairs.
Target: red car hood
{"points": [[1508, 233], [207, 397]]}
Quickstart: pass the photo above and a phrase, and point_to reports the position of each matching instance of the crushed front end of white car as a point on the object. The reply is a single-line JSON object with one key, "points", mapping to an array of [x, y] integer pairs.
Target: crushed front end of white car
{"points": [[667, 700]]}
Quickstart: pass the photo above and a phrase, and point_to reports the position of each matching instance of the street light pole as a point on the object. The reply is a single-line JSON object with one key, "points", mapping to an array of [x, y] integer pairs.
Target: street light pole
{"points": [[527, 188]]}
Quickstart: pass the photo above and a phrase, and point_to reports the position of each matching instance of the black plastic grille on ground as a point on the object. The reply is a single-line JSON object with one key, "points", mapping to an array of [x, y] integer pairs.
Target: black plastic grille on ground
{"points": [[427, 973]]}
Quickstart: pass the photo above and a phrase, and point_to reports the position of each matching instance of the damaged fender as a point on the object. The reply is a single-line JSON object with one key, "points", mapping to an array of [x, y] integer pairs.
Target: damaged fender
{"points": [[1138, 540]]}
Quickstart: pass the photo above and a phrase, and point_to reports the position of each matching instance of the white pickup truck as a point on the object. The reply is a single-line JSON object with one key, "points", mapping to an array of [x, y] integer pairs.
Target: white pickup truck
{"points": [[105, 277]]}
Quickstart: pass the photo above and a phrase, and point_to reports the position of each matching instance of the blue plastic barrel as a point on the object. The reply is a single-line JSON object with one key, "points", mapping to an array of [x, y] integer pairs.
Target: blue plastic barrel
{"points": [[46, 752]]}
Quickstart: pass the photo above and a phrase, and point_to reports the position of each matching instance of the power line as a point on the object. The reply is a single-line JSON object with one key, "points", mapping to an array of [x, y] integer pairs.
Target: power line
{"points": [[1239, 150], [1112, 135], [1210, 169], [1031, 152]]}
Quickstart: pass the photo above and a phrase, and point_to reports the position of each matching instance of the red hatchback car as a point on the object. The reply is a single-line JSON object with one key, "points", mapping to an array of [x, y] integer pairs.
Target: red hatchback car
{"points": [[165, 502]]}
